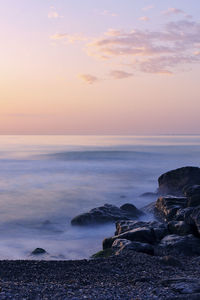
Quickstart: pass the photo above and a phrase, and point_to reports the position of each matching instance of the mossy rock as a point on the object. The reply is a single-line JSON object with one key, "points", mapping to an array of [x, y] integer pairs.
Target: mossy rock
{"points": [[103, 253]]}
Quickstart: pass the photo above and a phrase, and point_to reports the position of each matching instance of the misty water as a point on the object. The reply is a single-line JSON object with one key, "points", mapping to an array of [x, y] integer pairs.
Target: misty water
{"points": [[47, 180]]}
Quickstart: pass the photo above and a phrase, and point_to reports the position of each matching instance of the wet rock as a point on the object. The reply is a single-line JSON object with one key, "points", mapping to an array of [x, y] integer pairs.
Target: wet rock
{"points": [[193, 190], [167, 207], [179, 227], [178, 245], [143, 232], [193, 201], [173, 182], [107, 213], [193, 219], [183, 213], [159, 229], [38, 251], [122, 246], [183, 285]]}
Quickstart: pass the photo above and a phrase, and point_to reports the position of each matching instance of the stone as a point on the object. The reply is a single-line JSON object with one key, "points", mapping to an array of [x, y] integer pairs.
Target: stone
{"points": [[150, 208], [178, 245], [180, 228], [38, 251], [107, 213], [138, 231], [122, 246], [193, 201], [191, 190], [167, 207], [173, 182], [193, 219]]}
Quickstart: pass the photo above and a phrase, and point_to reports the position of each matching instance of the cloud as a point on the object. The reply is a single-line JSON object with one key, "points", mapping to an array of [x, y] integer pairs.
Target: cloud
{"points": [[173, 11], [53, 14], [148, 7], [118, 74], [150, 51], [144, 18], [108, 13], [88, 78], [70, 38]]}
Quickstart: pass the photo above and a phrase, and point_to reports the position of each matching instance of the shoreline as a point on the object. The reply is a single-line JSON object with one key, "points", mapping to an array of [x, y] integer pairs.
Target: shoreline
{"points": [[127, 276]]}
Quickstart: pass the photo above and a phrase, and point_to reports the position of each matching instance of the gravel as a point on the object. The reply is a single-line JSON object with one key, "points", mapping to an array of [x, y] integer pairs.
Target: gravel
{"points": [[129, 276]]}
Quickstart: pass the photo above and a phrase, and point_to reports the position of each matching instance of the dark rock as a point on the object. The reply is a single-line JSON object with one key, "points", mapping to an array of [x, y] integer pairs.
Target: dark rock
{"points": [[143, 232], [131, 210], [174, 181], [178, 245], [159, 229], [193, 219], [38, 251], [183, 213], [193, 201], [122, 246], [183, 285], [179, 227], [107, 213], [167, 207], [191, 190]]}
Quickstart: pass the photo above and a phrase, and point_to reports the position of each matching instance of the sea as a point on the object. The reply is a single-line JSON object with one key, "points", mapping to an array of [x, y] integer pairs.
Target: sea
{"points": [[47, 180]]}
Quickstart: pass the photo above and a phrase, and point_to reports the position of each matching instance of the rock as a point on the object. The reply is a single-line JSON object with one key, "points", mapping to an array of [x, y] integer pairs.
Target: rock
{"points": [[38, 251], [159, 229], [193, 219], [178, 245], [143, 232], [179, 227], [107, 213], [122, 246], [167, 207], [193, 201], [131, 210], [173, 182], [191, 190], [183, 213], [183, 285]]}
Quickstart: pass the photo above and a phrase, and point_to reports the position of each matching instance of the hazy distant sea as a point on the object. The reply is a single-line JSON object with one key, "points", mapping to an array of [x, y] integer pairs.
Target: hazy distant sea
{"points": [[47, 180]]}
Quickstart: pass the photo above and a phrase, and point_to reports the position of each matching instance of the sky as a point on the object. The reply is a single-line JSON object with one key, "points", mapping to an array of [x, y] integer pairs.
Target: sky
{"points": [[100, 67]]}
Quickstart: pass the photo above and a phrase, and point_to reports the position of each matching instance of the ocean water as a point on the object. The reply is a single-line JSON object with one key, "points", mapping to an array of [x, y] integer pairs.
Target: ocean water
{"points": [[47, 180]]}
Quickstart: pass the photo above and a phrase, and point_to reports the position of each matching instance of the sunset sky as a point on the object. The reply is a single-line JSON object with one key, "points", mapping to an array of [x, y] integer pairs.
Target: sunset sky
{"points": [[100, 67]]}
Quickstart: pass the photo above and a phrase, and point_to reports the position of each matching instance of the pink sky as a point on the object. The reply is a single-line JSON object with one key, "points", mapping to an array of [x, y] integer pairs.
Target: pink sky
{"points": [[123, 67]]}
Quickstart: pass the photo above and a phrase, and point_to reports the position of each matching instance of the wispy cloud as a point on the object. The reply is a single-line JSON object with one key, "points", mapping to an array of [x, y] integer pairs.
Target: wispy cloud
{"points": [[148, 7], [88, 78], [53, 14], [70, 38], [151, 51], [144, 18], [109, 13], [119, 74], [173, 11]]}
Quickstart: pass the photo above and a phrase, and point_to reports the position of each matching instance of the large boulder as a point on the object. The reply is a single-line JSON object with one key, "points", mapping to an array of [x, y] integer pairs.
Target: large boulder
{"points": [[167, 207], [107, 213], [178, 245], [122, 246], [173, 182], [143, 232]]}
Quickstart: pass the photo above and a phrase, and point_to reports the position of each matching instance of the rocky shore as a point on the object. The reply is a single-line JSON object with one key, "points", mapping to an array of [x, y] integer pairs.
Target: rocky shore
{"points": [[135, 276], [157, 259]]}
